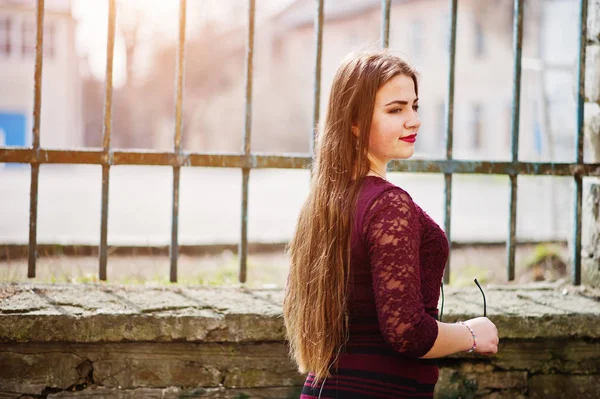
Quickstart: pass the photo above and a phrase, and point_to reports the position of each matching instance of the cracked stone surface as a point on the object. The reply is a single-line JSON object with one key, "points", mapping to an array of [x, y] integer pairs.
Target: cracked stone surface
{"points": [[176, 393], [593, 26], [125, 367], [110, 313]]}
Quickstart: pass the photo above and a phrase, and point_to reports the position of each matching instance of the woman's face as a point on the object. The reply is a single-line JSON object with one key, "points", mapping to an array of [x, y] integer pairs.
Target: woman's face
{"points": [[395, 121]]}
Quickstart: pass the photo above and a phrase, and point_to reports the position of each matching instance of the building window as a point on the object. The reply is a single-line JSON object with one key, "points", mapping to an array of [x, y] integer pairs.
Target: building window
{"points": [[28, 37], [29, 31], [49, 39], [5, 35], [477, 126], [416, 36], [479, 40]]}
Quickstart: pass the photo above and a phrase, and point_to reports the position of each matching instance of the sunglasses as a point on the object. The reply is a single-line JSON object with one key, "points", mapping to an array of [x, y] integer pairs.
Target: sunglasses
{"points": [[482, 293]]}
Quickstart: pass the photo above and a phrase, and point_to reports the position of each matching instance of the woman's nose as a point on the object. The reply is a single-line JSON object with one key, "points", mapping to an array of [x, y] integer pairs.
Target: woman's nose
{"points": [[414, 122]]}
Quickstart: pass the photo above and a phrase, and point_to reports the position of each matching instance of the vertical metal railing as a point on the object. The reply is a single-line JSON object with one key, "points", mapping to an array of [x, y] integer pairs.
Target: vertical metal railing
{"points": [[243, 248], [106, 135], [246, 161], [35, 166], [179, 75], [386, 8], [516, 109], [576, 272], [318, 25], [449, 127]]}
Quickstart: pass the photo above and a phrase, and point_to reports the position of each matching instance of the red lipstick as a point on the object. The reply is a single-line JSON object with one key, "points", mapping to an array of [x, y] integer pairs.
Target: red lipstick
{"points": [[409, 139]]}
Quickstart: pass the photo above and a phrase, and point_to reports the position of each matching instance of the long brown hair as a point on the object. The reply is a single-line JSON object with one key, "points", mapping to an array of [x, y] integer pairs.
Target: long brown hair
{"points": [[315, 304]]}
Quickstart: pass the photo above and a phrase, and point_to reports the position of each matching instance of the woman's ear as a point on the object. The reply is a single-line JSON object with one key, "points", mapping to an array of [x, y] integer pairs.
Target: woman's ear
{"points": [[355, 131]]}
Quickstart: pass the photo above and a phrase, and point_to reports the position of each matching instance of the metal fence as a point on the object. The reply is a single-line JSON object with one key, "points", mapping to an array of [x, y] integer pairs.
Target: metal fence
{"points": [[246, 160]]}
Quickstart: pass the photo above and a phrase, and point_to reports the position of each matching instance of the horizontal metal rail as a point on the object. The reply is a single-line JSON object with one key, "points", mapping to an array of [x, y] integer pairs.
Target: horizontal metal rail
{"points": [[285, 161]]}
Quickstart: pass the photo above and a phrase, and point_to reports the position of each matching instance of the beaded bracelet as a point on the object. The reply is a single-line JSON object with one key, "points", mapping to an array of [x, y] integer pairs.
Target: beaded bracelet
{"points": [[472, 333]]}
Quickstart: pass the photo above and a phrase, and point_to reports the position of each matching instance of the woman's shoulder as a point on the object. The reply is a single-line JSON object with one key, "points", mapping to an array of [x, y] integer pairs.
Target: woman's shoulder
{"points": [[375, 186], [386, 204], [377, 192]]}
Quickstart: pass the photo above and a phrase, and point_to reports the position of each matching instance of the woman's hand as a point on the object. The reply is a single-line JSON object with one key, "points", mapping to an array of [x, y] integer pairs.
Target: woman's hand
{"points": [[486, 335]]}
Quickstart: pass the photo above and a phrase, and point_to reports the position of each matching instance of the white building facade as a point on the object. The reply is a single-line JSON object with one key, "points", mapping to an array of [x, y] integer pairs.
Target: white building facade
{"points": [[61, 116]]}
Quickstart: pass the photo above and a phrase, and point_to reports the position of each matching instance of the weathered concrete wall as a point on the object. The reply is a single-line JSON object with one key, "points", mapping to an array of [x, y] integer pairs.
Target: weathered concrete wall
{"points": [[590, 273], [136, 342]]}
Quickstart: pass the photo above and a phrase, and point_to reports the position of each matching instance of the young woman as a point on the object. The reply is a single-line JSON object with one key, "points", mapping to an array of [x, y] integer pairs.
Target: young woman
{"points": [[360, 307]]}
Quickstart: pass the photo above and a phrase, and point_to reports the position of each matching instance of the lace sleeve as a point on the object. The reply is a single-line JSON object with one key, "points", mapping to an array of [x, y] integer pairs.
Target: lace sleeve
{"points": [[393, 236]]}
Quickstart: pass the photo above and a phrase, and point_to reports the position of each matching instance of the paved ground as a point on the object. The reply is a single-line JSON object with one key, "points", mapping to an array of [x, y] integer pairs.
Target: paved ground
{"points": [[140, 205]]}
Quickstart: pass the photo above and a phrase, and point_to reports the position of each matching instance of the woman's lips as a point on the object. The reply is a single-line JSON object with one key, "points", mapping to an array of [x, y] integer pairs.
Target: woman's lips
{"points": [[409, 139]]}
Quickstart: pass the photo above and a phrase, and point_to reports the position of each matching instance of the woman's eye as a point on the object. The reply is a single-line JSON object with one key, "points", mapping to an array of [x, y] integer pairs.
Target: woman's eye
{"points": [[396, 111], [416, 108]]}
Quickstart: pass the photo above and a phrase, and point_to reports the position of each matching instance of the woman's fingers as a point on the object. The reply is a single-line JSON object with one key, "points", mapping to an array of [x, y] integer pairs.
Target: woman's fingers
{"points": [[493, 350]]}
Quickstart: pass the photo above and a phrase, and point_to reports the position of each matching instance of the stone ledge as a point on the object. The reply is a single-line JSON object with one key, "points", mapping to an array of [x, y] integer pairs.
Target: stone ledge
{"points": [[101, 340], [89, 313], [171, 393]]}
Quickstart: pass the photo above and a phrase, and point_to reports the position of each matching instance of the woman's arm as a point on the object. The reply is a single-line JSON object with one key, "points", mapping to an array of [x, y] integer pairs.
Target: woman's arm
{"points": [[453, 338], [393, 235]]}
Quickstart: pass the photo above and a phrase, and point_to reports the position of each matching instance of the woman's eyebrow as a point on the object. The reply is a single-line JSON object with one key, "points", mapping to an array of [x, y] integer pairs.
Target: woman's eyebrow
{"points": [[400, 102]]}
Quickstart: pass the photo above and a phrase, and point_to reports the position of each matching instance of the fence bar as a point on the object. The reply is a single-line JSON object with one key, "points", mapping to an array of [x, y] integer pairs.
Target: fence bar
{"points": [[317, 89], [37, 112], [516, 108], [106, 132], [448, 222], [174, 248], [512, 228], [450, 132], [386, 6], [33, 192], [243, 250], [576, 271]]}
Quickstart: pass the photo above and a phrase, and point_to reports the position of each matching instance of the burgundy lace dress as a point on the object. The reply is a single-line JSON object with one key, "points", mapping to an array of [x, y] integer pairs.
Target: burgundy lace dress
{"points": [[397, 262]]}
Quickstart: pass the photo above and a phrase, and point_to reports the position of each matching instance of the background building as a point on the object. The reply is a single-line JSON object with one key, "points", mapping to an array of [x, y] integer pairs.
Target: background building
{"points": [[284, 77], [61, 117]]}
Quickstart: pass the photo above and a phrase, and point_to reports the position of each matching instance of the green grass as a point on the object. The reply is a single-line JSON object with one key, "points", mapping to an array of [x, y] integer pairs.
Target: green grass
{"points": [[541, 252], [465, 275]]}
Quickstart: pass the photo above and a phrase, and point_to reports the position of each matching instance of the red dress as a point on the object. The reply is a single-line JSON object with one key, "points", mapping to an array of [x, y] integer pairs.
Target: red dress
{"points": [[398, 256]]}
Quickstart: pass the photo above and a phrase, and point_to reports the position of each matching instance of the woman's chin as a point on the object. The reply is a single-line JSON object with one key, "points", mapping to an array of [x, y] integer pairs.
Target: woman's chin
{"points": [[406, 154]]}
